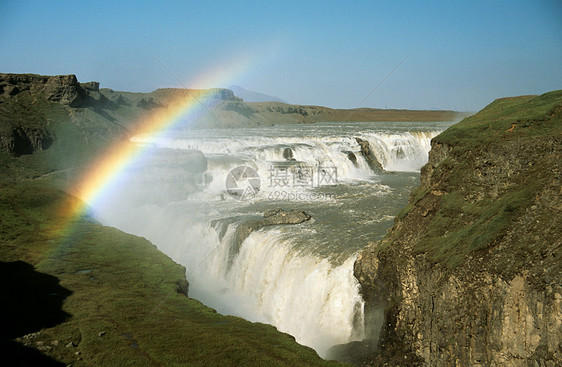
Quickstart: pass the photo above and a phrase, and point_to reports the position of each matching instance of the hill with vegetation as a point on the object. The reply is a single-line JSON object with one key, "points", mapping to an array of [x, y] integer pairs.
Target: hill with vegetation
{"points": [[470, 273], [33, 106], [75, 292]]}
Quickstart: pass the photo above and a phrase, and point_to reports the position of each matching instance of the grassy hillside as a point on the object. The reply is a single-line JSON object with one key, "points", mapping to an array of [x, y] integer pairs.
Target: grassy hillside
{"points": [[487, 177], [228, 111], [89, 295], [77, 293], [470, 272]]}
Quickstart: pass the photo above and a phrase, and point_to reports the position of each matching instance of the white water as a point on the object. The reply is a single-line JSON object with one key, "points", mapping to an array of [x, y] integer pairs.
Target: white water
{"points": [[297, 278], [404, 151], [271, 280]]}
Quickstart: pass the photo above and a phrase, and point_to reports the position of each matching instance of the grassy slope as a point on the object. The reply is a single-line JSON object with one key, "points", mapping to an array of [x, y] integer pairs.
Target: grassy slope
{"points": [[497, 187], [121, 285], [71, 279]]}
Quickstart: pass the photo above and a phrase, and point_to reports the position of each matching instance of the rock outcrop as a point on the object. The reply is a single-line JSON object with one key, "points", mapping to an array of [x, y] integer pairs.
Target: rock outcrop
{"points": [[64, 89], [270, 218], [368, 154], [29, 104], [288, 154], [24, 140], [470, 274]]}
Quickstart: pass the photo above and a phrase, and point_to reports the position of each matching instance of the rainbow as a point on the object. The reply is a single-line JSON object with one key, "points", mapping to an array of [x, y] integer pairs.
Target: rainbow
{"points": [[104, 175]]}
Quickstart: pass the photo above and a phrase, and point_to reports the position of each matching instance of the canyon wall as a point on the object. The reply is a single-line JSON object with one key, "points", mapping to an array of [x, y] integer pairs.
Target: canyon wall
{"points": [[470, 274]]}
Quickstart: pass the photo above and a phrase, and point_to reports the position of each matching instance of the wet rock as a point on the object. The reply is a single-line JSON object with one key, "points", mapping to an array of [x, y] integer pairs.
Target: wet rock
{"points": [[369, 156], [270, 218], [288, 154], [352, 157], [279, 216]]}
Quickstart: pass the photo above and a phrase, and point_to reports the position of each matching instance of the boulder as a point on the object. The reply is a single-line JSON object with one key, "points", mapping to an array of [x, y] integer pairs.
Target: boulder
{"points": [[288, 154], [270, 218], [369, 156], [352, 157]]}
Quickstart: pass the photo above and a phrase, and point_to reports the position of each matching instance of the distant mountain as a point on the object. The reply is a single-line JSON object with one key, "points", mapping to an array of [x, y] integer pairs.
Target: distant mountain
{"points": [[250, 96]]}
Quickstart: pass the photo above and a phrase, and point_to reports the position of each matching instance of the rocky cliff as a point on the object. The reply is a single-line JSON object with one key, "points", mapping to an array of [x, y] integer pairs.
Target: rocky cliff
{"points": [[34, 108], [470, 274], [37, 111]]}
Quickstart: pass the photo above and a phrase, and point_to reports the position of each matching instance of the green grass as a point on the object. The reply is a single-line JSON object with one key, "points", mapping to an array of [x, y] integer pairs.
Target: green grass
{"points": [[531, 115], [70, 278], [500, 163], [122, 286]]}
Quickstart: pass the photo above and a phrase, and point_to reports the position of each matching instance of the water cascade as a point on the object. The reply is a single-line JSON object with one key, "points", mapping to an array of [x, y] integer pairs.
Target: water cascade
{"points": [[298, 278]]}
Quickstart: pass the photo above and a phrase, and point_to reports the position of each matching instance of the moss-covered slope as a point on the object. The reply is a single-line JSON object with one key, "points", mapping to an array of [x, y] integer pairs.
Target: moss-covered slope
{"points": [[75, 292], [79, 293], [470, 273]]}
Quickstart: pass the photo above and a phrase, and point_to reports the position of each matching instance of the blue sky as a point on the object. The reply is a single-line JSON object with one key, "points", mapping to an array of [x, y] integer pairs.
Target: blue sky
{"points": [[452, 54]]}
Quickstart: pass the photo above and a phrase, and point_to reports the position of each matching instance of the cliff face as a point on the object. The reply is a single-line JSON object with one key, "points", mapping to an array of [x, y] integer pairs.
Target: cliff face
{"points": [[38, 110], [30, 103], [470, 274]]}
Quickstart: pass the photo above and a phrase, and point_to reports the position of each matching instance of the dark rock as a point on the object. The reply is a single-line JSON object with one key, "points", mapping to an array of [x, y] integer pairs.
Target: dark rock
{"points": [[182, 287], [279, 216], [91, 86], [11, 90], [351, 156], [116, 97], [92, 93], [270, 218], [24, 141], [147, 103], [369, 156], [64, 89], [288, 154]]}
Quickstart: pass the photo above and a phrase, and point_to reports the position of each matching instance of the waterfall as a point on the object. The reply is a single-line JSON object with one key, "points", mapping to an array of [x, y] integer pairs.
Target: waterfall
{"points": [[272, 279], [406, 151], [400, 151], [294, 276]]}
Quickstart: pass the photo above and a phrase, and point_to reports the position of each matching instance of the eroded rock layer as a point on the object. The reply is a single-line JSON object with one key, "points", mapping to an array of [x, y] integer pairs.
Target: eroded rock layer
{"points": [[470, 274]]}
